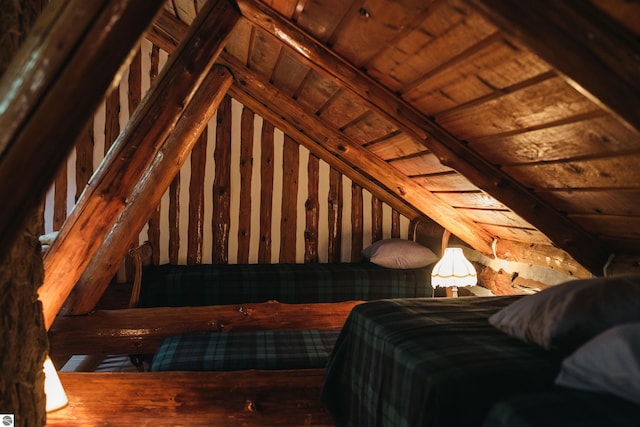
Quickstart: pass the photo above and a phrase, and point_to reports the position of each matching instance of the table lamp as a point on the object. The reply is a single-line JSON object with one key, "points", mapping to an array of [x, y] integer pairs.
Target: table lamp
{"points": [[454, 271]]}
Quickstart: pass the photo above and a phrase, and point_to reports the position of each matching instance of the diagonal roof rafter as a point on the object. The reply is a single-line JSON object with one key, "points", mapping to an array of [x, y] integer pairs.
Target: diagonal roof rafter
{"points": [[451, 151]]}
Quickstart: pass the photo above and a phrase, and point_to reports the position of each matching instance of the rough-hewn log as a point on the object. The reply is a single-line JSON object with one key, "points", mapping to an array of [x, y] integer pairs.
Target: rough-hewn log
{"points": [[376, 219], [451, 151], [312, 211], [60, 197], [222, 184], [23, 339], [47, 84], [357, 219], [174, 219], [239, 398], [153, 229], [395, 223], [105, 198], [334, 219], [147, 192], [140, 330], [246, 173], [266, 191], [196, 200], [111, 118], [84, 158], [290, 161]]}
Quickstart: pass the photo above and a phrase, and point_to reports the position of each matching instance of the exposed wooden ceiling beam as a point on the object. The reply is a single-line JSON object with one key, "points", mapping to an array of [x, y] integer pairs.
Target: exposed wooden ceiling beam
{"points": [[53, 85], [141, 330], [291, 118], [597, 56], [452, 152], [106, 195]]}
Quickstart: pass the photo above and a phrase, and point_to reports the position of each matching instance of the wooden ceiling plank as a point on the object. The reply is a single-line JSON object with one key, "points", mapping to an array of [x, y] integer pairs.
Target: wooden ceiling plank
{"points": [[612, 172], [451, 151], [46, 99], [604, 136], [585, 45], [593, 201], [395, 145], [470, 199], [106, 195]]}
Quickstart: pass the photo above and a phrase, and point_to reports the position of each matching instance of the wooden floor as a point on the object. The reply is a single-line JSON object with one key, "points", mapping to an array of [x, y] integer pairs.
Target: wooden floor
{"points": [[243, 398]]}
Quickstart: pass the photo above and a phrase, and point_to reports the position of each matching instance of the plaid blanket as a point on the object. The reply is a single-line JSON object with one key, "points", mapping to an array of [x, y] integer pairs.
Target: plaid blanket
{"points": [[429, 362], [211, 284], [231, 351], [564, 407]]}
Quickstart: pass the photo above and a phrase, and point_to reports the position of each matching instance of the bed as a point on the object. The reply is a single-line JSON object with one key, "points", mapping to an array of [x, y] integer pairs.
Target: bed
{"points": [[417, 362], [461, 362], [392, 268]]}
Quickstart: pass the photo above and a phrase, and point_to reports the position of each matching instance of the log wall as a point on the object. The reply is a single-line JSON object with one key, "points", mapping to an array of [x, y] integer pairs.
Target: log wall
{"points": [[247, 194]]}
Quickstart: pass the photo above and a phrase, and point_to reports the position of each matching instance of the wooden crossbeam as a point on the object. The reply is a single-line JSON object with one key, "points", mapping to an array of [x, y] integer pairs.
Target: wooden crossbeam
{"points": [[140, 330], [234, 398]]}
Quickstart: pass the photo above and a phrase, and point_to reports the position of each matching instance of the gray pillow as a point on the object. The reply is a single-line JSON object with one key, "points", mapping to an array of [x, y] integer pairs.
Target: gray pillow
{"points": [[609, 363], [566, 316], [399, 253]]}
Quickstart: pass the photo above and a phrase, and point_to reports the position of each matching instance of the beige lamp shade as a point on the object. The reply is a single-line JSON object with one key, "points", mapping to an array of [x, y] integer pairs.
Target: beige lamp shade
{"points": [[453, 270], [54, 393]]}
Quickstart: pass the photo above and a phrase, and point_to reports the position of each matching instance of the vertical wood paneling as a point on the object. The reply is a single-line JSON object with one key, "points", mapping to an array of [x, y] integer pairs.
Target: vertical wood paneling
{"points": [[266, 192], [335, 216], [221, 184], [269, 199], [153, 230], [246, 171], [376, 219], [235, 178], [112, 118], [288, 226], [356, 222], [345, 250], [60, 198], [195, 233], [395, 223], [312, 211], [84, 158], [303, 188], [276, 197]]}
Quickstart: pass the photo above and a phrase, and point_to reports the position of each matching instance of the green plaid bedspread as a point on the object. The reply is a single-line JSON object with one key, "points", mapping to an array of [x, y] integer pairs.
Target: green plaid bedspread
{"points": [[211, 284], [231, 351], [429, 362], [564, 407]]}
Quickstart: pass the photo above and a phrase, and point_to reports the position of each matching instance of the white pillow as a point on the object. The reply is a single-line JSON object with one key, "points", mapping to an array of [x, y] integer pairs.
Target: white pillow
{"points": [[609, 363], [399, 253], [566, 316]]}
